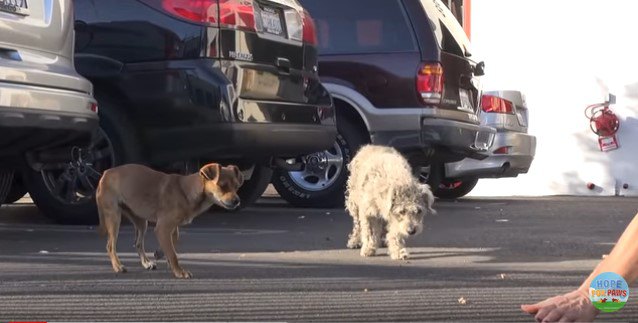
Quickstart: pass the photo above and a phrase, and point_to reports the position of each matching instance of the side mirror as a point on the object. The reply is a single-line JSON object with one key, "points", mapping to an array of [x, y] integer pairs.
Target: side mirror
{"points": [[479, 70]]}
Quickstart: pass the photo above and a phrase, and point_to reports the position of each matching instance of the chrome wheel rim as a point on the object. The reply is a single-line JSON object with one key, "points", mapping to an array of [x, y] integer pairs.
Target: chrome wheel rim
{"points": [[75, 182], [423, 174], [320, 169]]}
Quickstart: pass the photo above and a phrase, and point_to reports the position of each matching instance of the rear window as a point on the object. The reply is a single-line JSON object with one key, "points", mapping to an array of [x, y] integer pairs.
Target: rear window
{"points": [[361, 26], [449, 33]]}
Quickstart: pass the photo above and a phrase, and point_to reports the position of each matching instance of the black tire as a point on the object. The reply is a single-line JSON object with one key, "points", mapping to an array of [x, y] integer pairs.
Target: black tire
{"points": [[453, 189], [121, 134], [255, 187], [17, 191], [6, 179], [349, 140]]}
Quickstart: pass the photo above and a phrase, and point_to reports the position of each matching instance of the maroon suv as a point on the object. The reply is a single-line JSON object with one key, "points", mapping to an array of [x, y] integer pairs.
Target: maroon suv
{"points": [[401, 74]]}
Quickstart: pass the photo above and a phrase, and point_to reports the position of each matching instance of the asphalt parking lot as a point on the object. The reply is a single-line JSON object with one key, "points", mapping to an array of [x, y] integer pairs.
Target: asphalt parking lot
{"points": [[477, 260]]}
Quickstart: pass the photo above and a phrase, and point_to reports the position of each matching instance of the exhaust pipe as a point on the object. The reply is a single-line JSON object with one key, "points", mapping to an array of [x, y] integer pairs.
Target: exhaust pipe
{"points": [[505, 168]]}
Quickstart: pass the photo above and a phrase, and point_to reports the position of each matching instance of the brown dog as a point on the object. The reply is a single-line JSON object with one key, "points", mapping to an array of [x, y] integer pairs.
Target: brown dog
{"points": [[142, 194]]}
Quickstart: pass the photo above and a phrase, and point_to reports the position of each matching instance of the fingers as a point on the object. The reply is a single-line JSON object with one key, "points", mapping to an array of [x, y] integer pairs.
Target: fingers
{"points": [[544, 312], [553, 316], [531, 309], [534, 308]]}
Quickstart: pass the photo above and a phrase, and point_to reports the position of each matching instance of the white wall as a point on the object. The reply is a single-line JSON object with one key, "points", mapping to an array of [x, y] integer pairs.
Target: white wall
{"points": [[565, 55]]}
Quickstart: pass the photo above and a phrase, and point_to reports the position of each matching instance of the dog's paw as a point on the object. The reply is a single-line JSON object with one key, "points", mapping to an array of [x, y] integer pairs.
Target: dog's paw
{"points": [[184, 274], [403, 254], [119, 269], [396, 256], [368, 252], [353, 244], [150, 265]]}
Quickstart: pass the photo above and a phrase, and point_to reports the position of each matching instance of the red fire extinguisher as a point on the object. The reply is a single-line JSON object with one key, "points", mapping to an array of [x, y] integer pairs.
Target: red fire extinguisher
{"points": [[604, 123]]}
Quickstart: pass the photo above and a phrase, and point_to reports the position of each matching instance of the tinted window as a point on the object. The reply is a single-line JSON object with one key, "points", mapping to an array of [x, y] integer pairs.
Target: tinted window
{"points": [[448, 31], [360, 26]]}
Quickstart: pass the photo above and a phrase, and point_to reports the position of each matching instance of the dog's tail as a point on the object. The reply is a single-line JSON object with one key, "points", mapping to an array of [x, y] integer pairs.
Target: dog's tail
{"points": [[429, 197]]}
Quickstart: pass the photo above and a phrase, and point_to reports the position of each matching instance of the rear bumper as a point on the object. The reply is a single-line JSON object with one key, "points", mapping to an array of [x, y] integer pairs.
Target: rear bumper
{"points": [[36, 118], [460, 138], [449, 140], [517, 161], [249, 140]]}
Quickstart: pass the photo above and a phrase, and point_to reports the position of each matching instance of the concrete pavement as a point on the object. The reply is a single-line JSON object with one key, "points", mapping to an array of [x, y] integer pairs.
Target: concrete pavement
{"points": [[273, 262]]}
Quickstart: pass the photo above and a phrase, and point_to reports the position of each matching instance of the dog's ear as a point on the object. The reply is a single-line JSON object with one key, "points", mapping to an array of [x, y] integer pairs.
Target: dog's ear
{"points": [[426, 192], [211, 172], [238, 174]]}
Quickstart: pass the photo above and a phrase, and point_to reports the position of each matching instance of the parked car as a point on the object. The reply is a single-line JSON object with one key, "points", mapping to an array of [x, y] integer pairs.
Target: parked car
{"points": [[512, 151], [46, 107], [181, 83], [401, 74]]}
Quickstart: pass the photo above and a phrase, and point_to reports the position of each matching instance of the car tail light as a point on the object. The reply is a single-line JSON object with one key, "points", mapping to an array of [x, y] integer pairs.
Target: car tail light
{"points": [[198, 11], [237, 13], [228, 13], [502, 150], [309, 29], [494, 104], [93, 107], [429, 83]]}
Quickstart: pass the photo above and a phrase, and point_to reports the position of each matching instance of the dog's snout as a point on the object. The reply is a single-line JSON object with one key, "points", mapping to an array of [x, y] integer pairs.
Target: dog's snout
{"points": [[231, 203], [236, 202], [412, 231]]}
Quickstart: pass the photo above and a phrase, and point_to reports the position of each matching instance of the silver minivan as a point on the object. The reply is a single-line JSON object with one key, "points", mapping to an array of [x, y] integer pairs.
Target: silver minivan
{"points": [[47, 109]]}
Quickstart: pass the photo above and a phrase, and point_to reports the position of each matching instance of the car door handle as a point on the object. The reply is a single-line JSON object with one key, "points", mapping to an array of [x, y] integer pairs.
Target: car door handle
{"points": [[10, 54], [283, 64]]}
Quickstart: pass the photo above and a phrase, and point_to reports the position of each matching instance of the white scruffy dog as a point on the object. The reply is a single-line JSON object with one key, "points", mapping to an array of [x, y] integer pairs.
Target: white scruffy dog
{"points": [[383, 196]]}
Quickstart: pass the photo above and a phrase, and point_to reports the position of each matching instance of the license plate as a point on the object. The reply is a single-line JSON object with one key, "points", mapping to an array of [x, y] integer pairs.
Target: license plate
{"points": [[271, 21], [466, 104], [260, 83], [18, 7]]}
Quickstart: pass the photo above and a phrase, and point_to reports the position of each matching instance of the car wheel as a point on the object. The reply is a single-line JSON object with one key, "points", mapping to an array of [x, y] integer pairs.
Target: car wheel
{"points": [[6, 178], [255, 187], [430, 174], [17, 191], [453, 189], [322, 181], [65, 192]]}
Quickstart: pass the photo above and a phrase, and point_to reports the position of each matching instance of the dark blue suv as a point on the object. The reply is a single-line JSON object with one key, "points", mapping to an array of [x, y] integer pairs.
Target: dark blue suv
{"points": [[183, 82]]}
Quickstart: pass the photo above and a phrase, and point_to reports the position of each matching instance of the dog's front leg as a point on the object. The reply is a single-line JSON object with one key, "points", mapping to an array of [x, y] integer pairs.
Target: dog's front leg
{"points": [[159, 254], [396, 245], [354, 239], [164, 232], [368, 236]]}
